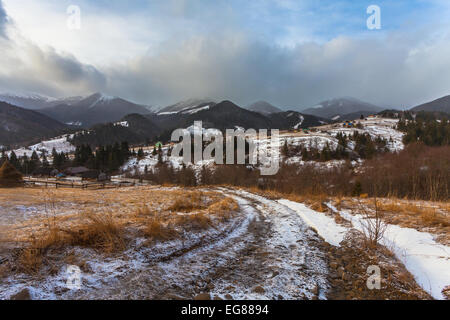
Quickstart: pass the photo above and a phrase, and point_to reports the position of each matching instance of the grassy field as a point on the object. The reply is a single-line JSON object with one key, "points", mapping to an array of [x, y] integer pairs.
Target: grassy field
{"points": [[103, 219]]}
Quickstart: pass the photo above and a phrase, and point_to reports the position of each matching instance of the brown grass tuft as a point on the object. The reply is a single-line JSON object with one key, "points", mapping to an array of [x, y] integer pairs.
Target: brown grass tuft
{"points": [[187, 202], [420, 215], [96, 231], [100, 231], [157, 230]]}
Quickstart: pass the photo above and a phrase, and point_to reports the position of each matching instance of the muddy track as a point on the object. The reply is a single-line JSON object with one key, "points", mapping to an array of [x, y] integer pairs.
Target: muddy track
{"points": [[266, 252], [271, 254]]}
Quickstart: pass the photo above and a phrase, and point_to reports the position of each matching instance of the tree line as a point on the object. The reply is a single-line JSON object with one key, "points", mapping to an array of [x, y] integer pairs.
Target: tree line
{"points": [[432, 133], [107, 158]]}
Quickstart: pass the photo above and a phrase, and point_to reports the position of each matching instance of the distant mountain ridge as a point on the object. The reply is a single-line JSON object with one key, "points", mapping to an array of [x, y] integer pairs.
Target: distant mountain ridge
{"points": [[34, 101], [263, 107], [341, 106], [186, 106], [223, 115], [439, 105], [21, 126], [94, 109]]}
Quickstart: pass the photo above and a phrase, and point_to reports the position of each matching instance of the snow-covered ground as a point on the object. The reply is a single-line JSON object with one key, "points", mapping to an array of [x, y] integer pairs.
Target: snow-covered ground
{"points": [[59, 143], [384, 128], [427, 260], [376, 127], [266, 251], [325, 226]]}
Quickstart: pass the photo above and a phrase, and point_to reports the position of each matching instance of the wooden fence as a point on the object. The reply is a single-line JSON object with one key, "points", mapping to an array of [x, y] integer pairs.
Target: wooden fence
{"points": [[73, 185]]}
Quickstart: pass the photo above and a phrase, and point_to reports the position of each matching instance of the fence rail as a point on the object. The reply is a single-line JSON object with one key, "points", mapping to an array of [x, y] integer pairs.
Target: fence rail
{"points": [[73, 185]]}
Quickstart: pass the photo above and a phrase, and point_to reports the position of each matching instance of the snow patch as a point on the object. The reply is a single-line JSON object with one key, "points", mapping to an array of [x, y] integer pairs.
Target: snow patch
{"points": [[427, 260], [325, 226]]}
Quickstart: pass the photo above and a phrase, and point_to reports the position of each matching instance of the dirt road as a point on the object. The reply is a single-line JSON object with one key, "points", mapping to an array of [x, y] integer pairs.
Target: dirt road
{"points": [[265, 252]]}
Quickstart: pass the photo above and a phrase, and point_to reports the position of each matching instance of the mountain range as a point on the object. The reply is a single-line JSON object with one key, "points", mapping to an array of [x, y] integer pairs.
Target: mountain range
{"points": [[106, 117], [186, 106], [94, 109], [263, 107], [438, 105], [223, 115], [336, 109], [22, 126], [36, 101]]}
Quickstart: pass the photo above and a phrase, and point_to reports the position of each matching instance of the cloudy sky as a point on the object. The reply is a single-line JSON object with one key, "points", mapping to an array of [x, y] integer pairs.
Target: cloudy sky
{"points": [[292, 53]]}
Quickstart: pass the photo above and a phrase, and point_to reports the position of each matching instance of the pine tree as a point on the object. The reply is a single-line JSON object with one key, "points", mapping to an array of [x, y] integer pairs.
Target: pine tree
{"points": [[45, 163], [285, 150], [3, 158], [357, 189], [141, 154], [15, 161], [160, 158]]}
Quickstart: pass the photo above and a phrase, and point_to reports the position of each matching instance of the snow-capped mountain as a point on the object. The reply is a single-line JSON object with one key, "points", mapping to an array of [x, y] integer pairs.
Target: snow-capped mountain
{"points": [[341, 106], [187, 106], [263, 107], [31, 101], [35, 101], [96, 108]]}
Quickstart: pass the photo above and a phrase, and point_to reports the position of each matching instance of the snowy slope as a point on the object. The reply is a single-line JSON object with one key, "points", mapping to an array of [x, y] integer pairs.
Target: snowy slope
{"points": [[60, 144]]}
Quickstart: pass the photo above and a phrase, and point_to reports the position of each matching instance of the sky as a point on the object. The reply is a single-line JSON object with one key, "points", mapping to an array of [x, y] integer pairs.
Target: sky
{"points": [[291, 53]]}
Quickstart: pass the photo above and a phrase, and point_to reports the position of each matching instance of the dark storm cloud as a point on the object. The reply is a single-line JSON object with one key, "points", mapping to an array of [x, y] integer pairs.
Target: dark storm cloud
{"points": [[277, 50], [396, 71]]}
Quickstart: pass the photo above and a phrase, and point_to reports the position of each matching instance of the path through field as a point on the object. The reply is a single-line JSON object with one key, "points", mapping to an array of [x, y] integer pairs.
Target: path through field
{"points": [[266, 252]]}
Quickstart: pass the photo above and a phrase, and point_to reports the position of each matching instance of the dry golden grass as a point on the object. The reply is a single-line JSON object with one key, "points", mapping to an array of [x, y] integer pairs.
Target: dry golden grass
{"points": [[196, 221], [99, 231], [102, 233], [104, 220], [188, 202], [425, 216], [157, 230]]}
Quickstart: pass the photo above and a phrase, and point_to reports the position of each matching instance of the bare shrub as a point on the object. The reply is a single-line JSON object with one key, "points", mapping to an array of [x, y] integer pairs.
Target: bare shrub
{"points": [[373, 225]]}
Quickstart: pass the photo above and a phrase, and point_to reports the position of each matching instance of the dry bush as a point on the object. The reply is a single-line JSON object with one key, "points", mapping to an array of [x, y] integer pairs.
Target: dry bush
{"points": [[30, 258], [96, 231], [373, 225], [157, 230], [199, 221], [187, 202], [418, 172], [100, 231], [224, 208]]}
